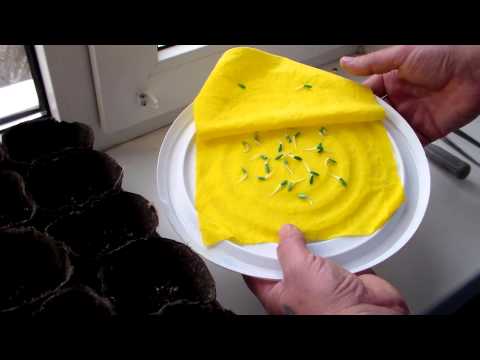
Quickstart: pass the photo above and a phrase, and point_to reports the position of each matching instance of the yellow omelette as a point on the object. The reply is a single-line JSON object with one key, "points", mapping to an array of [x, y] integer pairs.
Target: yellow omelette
{"points": [[281, 142]]}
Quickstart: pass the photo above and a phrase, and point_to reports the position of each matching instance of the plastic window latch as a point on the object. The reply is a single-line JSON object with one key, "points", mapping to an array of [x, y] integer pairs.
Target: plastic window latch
{"points": [[147, 99]]}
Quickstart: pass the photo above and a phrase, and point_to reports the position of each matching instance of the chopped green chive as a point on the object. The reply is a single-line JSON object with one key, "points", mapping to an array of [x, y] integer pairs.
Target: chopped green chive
{"points": [[314, 173], [278, 157], [305, 86], [267, 168], [340, 180], [260, 156], [293, 138], [311, 179], [303, 196], [291, 184], [244, 175], [323, 131], [280, 148], [265, 177], [256, 138], [318, 148], [279, 187], [331, 161], [242, 86], [289, 138], [246, 146], [298, 158]]}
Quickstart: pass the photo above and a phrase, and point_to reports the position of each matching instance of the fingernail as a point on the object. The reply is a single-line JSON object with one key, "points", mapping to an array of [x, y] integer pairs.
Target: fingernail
{"points": [[346, 60], [287, 229]]}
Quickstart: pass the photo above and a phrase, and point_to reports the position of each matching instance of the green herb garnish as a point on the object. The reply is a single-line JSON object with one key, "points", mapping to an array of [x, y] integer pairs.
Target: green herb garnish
{"points": [[291, 184], [318, 148], [311, 179], [331, 161], [298, 158], [265, 177], [289, 138], [305, 197], [280, 186], [294, 138], [246, 146], [256, 138], [260, 156], [314, 173], [244, 175], [279, 156], [280, 148], [307, 86], [341, 180], [323, 131], [242, 86], [267, 168]]}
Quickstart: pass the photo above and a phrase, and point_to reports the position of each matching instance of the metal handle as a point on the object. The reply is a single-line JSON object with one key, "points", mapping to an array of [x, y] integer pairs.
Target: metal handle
{"points": [[454, 165]]}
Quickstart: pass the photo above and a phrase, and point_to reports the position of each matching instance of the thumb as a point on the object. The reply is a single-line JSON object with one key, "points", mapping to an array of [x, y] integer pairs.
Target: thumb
{"points": [[292, 250], [378, 62]]}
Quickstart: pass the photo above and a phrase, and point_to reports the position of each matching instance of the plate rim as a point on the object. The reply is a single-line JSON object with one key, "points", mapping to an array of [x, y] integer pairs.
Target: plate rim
{"points": [[416, 150]]}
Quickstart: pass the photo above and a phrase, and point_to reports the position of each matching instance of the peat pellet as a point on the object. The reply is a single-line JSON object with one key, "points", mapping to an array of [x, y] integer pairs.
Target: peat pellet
{"points": [[3, 154], [73, 179], [16, 205], [32, 264], [78, 302], [146, 275], [106, 225], [36, 139]]}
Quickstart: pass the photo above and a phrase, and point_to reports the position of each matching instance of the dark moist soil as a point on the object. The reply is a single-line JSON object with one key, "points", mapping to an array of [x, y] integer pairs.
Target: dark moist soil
{"points": [[35, 139], [79, 302], [31, 264], [146, 275], [72, 179], [106, 226], [16, 205], [3, 154]]}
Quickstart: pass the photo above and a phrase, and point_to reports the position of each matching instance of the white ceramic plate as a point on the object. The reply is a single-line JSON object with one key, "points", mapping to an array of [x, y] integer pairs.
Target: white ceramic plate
{"points": [[176, 189]]}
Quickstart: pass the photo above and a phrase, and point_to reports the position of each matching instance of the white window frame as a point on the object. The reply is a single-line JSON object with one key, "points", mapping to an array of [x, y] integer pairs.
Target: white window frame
{"points": [[170, 78]]}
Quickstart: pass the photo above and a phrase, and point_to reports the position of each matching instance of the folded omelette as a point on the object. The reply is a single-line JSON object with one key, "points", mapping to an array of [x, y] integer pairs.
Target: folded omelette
{"points": [[281, 142]]}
